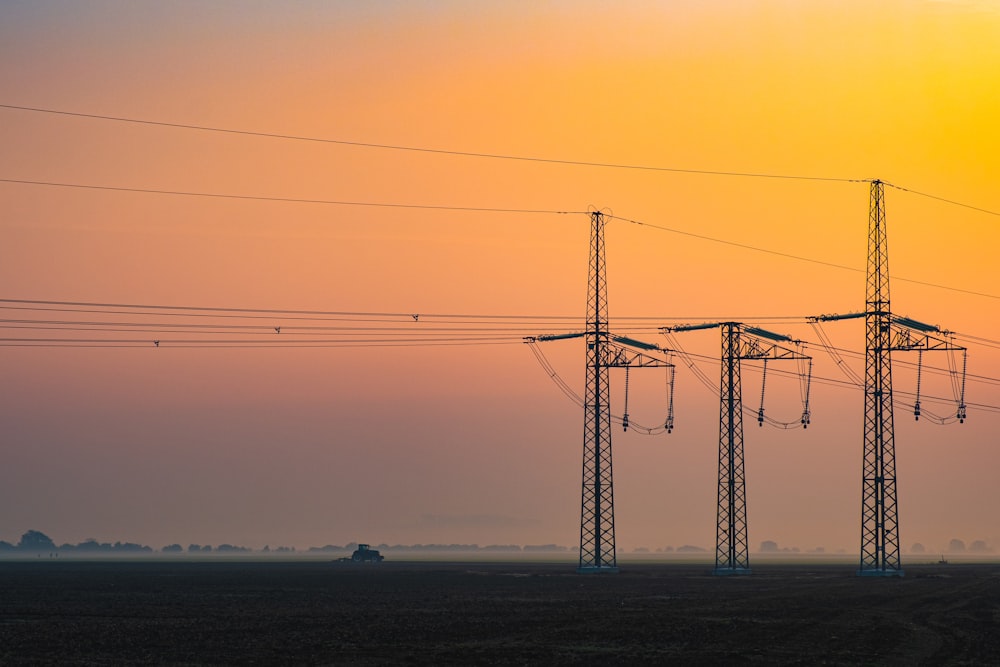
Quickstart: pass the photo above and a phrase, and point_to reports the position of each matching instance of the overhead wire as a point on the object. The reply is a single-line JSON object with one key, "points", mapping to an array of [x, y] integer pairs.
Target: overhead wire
{"points": [[392, 333], [545, 319], [480, 154], [211, 343], [306, 320], [483, 209], [622, 420], [207, 128], [294, 200], [424, 149], [801, 258], [942, 199]]}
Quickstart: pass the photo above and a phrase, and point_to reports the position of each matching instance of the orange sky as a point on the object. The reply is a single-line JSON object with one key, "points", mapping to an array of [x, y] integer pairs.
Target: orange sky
{"points": [[474, 444]]}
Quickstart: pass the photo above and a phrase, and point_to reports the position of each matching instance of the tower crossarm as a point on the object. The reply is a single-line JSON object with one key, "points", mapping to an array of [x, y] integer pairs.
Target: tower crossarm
{"points": [[835, 317], [618, 352], [547, 337], [753, 347], [751, 342], [617, 355], [904, 338], [690, 327]]}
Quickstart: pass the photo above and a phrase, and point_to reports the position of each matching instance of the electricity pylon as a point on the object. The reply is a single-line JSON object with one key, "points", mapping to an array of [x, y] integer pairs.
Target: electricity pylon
{"points": [[597, 506], [879, 519], [738, 342], [884, 333], [605, 350]]}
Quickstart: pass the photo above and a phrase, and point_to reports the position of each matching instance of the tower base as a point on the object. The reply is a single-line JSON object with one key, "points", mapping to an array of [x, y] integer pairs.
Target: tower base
{"points": [[880, 573], [597, 569]]}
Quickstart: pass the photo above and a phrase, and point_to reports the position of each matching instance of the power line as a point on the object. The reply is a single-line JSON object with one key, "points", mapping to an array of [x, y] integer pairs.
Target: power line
{"points": [[294, 200], [276, 341], [257, 313], [439, 207], [818, 379], [494, 156], [421, 149], [387, 325], [22, 303], [733, 243], [943, 199], [796, 257], [273, 316]]}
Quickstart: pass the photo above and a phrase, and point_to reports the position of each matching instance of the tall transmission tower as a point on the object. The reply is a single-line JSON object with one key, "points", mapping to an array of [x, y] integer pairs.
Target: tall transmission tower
{"points": [[597, 506], [605, 350], [738, 342], [879, 518], [884, 334]]}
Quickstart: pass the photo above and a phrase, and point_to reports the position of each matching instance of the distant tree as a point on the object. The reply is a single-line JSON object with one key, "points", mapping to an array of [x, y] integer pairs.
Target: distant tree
{"points": [[979, 547], [172, 549], [34, 540], [90, 544], [194, 548], [769, 547], [266, 549], [545, 547], [917, 548], [6, 546], [956, 546], [690, 549]]}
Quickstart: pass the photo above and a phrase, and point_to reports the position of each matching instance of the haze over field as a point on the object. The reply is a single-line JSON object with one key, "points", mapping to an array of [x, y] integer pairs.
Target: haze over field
{"points": [[428, 440]]}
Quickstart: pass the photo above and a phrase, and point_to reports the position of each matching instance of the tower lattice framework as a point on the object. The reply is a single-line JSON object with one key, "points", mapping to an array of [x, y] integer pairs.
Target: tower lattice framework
{"points": [[732, 553], [731, 547], [597, 512], [879, 521]]}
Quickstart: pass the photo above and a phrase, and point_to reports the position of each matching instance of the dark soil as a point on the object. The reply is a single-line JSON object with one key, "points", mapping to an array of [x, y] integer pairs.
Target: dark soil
{"points": [[295, 613]]}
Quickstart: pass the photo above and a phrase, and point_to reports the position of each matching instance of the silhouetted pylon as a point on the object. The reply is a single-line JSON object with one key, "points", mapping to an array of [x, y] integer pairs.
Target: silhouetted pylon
{"points": [[597, 511]]}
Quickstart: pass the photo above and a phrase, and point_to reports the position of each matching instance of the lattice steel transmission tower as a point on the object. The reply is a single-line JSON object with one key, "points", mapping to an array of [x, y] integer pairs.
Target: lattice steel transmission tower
{"points": [[604, 351], [886, 333], [879, 519], [597, 513], [738, 342]]}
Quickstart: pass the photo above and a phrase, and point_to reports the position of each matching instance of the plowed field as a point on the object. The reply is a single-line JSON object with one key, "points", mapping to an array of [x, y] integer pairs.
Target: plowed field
{"points": [[309, 613]]}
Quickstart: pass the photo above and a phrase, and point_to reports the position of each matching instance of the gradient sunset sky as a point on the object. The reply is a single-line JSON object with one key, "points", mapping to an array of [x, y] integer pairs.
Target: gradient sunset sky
{"points": [[473, 443]]}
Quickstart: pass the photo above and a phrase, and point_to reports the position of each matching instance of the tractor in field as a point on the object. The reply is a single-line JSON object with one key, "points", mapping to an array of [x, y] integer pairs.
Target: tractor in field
{"points": [[365, 554]]}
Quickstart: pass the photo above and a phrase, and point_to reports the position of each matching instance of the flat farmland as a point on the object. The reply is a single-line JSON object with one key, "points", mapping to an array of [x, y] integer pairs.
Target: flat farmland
{"points": [[312, 613]]}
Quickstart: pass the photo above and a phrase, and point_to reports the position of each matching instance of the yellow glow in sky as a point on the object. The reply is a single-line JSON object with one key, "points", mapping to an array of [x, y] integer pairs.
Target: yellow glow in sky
{"points": [[474, 444]]}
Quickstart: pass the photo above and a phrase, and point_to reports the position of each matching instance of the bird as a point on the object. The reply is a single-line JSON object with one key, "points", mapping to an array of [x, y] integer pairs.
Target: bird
{"points": [[415, 317], [277, 329], [156, 343]]}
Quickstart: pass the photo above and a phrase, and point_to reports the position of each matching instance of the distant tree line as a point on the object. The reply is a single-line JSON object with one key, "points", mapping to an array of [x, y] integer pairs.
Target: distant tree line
{"points": [[37, 542]]}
